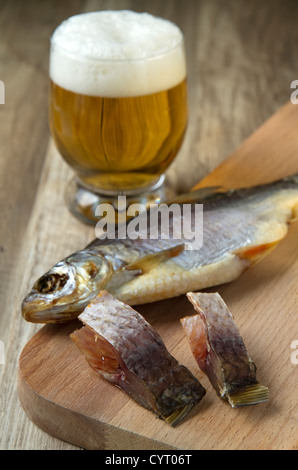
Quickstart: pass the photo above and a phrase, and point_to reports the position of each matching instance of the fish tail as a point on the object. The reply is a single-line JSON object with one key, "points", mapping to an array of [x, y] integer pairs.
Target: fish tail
{"points": [[177, 415], [250, 395]]}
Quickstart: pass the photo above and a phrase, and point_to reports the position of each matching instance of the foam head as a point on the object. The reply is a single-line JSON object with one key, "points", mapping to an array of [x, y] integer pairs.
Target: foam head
{"points": [[117, 53]]}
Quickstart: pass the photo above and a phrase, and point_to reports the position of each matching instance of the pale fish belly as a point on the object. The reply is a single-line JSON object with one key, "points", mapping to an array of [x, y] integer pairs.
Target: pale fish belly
{"points": [[171, 280]]}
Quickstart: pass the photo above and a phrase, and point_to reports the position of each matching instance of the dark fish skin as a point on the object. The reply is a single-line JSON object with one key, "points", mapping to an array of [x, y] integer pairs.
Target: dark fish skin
{"points": [[215, 199], [220, 350], [240, 227], [126, 350]]}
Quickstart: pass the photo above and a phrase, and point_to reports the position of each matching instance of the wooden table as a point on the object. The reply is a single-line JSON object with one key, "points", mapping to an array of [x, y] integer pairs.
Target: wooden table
{"points": [[242, 58]]}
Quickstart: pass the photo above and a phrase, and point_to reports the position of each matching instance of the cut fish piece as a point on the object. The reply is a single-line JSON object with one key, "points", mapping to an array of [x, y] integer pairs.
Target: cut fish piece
{"points": [[126, 350], [220, 352]]}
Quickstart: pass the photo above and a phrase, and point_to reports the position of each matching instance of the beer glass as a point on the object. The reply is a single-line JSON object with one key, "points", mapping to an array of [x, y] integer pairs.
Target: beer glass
{"points": [[118, 105]]}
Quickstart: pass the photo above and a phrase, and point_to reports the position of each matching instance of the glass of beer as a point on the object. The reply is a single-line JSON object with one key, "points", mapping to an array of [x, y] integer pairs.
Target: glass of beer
{"points": [[118, 105]]}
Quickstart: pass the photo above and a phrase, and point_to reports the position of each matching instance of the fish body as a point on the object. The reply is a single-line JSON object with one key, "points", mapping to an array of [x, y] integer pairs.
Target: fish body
{"points": [[126, 350], [240, 227], [220, 351]]}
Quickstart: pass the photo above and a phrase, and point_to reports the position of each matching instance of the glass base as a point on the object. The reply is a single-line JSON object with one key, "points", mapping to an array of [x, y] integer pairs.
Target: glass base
{"points": [[83, 203]]}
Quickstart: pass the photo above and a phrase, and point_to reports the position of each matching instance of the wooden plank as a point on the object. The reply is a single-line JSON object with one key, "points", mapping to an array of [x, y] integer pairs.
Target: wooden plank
{"points": [[240, 62], [63, 396], [24, 133], [270, 153]]}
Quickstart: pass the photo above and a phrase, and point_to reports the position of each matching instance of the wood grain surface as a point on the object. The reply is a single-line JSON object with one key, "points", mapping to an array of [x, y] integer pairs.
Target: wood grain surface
{"points": [[242, 58], [67, 399]]}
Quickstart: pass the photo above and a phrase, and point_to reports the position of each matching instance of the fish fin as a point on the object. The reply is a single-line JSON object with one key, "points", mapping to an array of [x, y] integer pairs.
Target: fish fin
{"points": [[255, 253], [141, 266], [122, 277], [196, 195], [177, 415], [250, 395], [148, 262]]}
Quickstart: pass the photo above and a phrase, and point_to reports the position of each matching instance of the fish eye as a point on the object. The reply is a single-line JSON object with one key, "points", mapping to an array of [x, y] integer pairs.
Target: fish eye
{"points": [[51, 282]]}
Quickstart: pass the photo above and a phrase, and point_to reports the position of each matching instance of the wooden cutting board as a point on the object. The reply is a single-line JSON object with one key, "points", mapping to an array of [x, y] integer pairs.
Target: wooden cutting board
{"points": [[65, 398]]}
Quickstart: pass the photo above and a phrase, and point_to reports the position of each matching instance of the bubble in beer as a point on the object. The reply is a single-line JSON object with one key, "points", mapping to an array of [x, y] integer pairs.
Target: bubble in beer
{"points": [[117, 53]]}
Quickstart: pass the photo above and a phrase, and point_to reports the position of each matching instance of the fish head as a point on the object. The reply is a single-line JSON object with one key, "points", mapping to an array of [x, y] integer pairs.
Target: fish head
{"points": [[66, 289]]}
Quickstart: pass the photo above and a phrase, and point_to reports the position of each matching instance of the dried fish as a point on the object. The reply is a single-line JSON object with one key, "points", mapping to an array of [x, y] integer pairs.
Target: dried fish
{"points": [[126, 350], [220, 352], [240, 227]]}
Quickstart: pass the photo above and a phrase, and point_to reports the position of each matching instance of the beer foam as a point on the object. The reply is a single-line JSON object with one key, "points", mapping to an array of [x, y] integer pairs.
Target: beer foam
{"points": [[117, 53]]}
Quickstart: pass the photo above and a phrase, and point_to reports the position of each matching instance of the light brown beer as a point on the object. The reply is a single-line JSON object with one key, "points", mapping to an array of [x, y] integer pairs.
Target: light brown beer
{"points": [[118, 143], [118, 101]]}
